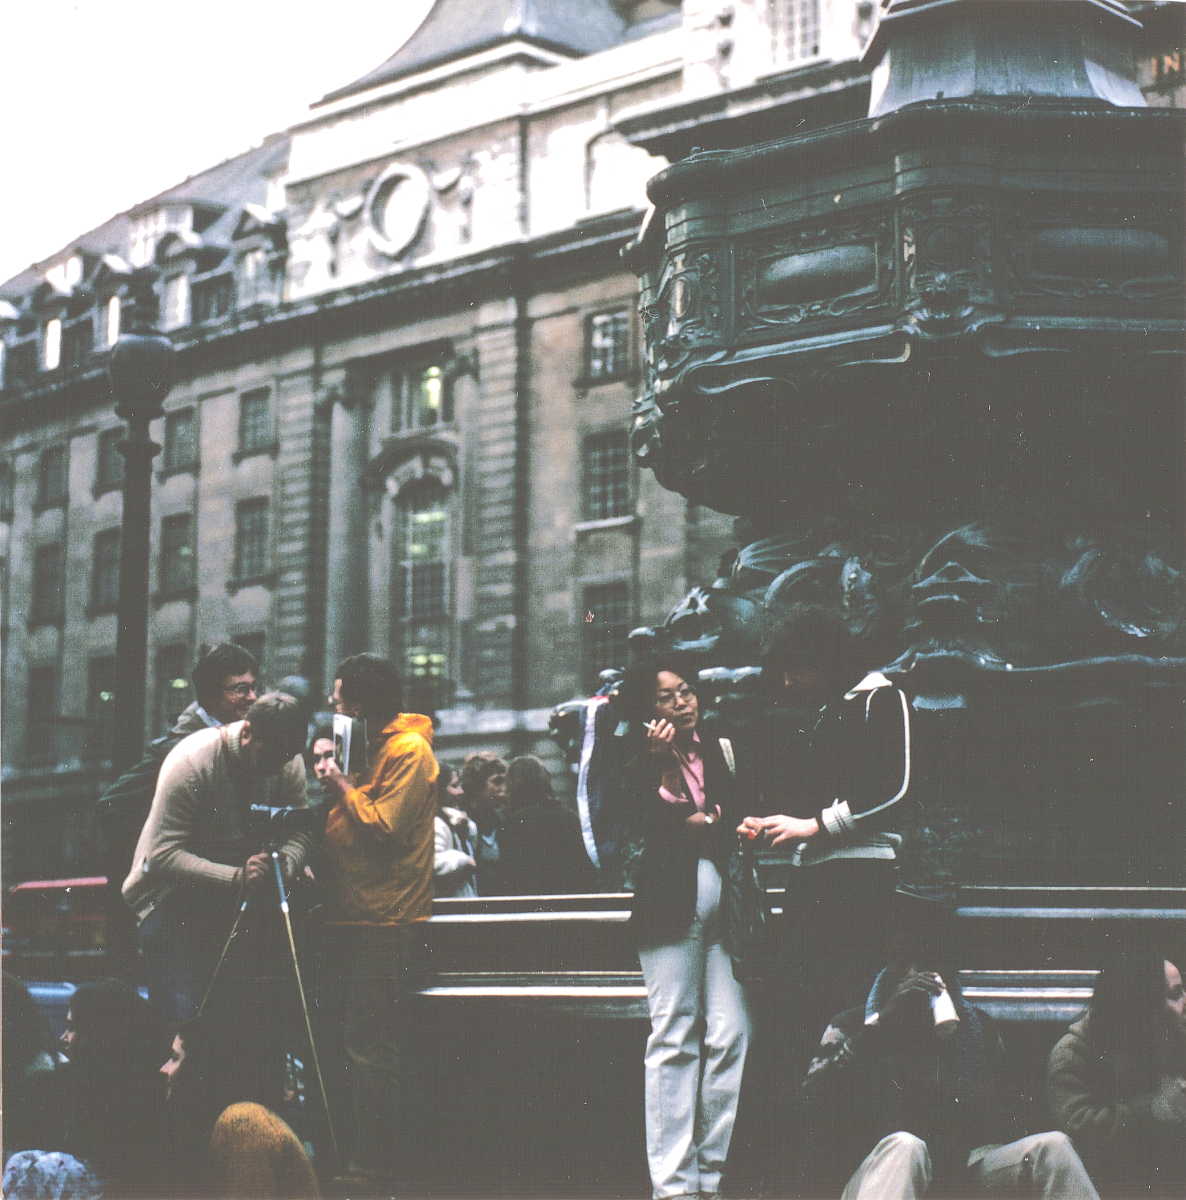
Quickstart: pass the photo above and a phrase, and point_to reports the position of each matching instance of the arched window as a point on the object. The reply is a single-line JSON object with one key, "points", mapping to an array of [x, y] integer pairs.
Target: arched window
{"points": [[422, 599]]}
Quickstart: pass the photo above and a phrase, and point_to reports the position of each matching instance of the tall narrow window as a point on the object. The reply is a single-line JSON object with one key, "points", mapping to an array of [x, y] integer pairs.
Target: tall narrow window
{"points": [[100, 686], [42, 714], [46, 603], [421, 397], [213, 298], [423, 587], [177, 555], [105, 571], [607, 344], [181, 442], [606, 622], [175, 302], [109, 462], [51, 345], [51, 477], [256, 434], [111, 312], [605, 476], [252, 283], [172, 685], [251, 540]]}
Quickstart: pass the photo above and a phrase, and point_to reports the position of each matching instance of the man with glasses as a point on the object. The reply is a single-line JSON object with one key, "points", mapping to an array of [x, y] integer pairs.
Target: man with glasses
{"points": [[225, 682]]}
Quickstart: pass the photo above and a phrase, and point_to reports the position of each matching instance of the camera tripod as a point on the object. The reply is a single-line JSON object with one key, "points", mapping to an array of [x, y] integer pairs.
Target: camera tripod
{"points": [[294, 959]]}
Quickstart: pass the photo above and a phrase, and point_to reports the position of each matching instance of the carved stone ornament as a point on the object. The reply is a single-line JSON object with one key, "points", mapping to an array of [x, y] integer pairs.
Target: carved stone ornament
{"points": [[396, 207]]}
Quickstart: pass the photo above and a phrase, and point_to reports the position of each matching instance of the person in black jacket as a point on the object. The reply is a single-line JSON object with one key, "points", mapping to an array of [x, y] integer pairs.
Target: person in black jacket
{"points": [[542, 852], [904, 1095], [685, 792]]}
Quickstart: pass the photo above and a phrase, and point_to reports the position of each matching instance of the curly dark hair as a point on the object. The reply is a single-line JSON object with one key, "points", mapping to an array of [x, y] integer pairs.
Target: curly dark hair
{"points": [[479, 767], [374, 684]]}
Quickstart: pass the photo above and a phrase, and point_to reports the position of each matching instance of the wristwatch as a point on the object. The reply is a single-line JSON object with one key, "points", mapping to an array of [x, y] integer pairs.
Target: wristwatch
{"points": [[710, 818]]}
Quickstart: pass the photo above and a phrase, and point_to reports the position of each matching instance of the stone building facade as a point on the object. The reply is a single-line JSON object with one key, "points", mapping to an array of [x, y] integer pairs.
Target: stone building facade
{"points": [[407, 350]]}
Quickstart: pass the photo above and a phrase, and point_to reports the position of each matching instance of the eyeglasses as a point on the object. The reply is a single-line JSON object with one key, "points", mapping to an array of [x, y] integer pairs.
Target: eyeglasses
{"points": [[665, 699], [242, 690]]}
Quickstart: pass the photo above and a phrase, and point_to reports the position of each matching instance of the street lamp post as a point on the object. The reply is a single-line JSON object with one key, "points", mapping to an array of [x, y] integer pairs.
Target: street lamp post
{"points": [[141, 372]]}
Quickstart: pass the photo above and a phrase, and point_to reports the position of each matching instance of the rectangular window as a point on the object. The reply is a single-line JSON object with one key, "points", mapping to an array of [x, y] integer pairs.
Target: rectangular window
{"points": [[425, 537], [251, 540], [251, 286], [42, 714], [426, 665], [255, 421], [795, 25], [109, 462], [78, 340], [213, 298], [51, 345], [172, 685], [7, 491], [105, 571], [607, 344], [181, 442], [100, 686], [421, 398], [605, 476], [51, 477], [177, 555], [109, 332], [175, 302], [254, 644], [47, 601], [22, 363], [606, 620]]}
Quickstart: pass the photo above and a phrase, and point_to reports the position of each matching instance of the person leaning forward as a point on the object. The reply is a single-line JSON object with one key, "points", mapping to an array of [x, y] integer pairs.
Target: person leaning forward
{"points": [[379, 867]]}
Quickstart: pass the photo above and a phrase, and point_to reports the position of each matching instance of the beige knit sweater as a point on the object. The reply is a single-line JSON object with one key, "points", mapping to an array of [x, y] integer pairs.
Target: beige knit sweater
{"points": [[197, 828]]}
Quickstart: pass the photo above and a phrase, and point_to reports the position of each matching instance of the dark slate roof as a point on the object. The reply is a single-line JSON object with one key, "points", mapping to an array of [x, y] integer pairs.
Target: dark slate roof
{"points": [[454, 28], [223, 190]]}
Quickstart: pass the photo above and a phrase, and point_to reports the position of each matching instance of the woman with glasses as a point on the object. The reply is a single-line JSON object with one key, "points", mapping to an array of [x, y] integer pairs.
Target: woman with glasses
{"points": [[686, 795]]}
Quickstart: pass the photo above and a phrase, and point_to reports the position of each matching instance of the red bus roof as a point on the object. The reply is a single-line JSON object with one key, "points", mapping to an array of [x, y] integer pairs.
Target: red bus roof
{"points": [[84, 881]]}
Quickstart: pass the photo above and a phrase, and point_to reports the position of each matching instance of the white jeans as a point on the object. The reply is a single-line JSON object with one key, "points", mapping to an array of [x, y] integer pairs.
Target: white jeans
{"points": [[1044, 1164], [692, 1083]]}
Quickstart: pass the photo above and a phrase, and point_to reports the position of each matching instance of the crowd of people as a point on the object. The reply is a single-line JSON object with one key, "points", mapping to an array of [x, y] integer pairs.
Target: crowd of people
{"points": [[280, 896]]}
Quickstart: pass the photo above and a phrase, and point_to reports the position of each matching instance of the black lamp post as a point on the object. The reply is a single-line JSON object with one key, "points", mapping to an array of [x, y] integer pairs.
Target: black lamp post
{"points": [[141, 372]]}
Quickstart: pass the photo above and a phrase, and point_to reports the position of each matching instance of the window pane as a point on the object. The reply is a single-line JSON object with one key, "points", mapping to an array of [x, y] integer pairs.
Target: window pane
{"points": [[255, 420], [42, 714], [100, 705], [606, 476], [172, 685], [251, 539], [52, 345], [607, 627], [421, 398], [181, 449], [213, 298], [47, 584], [175, 306], [109, 467], [607, 344], [105, 571], [111, 315], [51, 482], [177, 554], [796, 29]]}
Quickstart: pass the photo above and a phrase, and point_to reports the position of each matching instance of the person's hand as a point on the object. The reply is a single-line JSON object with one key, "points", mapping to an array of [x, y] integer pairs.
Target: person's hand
{"points": [[256, 869], [779, 829], [1169, 1100], [912, 987], [704, 820], [660, 738], [334, 783]]}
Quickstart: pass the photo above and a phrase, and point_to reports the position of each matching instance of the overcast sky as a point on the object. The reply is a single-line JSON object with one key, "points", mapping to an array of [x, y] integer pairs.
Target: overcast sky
{"points": [[106, 102]]}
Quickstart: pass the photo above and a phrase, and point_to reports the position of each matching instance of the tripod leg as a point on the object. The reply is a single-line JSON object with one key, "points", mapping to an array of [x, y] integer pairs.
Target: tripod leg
{"points": [[230, 937], [296, 969]]}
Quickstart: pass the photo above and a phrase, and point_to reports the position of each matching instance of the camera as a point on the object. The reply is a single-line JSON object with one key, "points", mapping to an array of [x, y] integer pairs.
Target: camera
{"points": [[269, 824]]}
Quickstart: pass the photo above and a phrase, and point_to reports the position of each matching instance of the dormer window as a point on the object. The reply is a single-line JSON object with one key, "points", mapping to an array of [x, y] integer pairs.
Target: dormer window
{"points": [[109, 317], [253, 271], [175, 302], [51, 344]]}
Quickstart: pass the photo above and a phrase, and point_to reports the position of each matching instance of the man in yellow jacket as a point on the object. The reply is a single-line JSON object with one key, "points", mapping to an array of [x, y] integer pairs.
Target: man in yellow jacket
{"points": [[378, 866]]}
